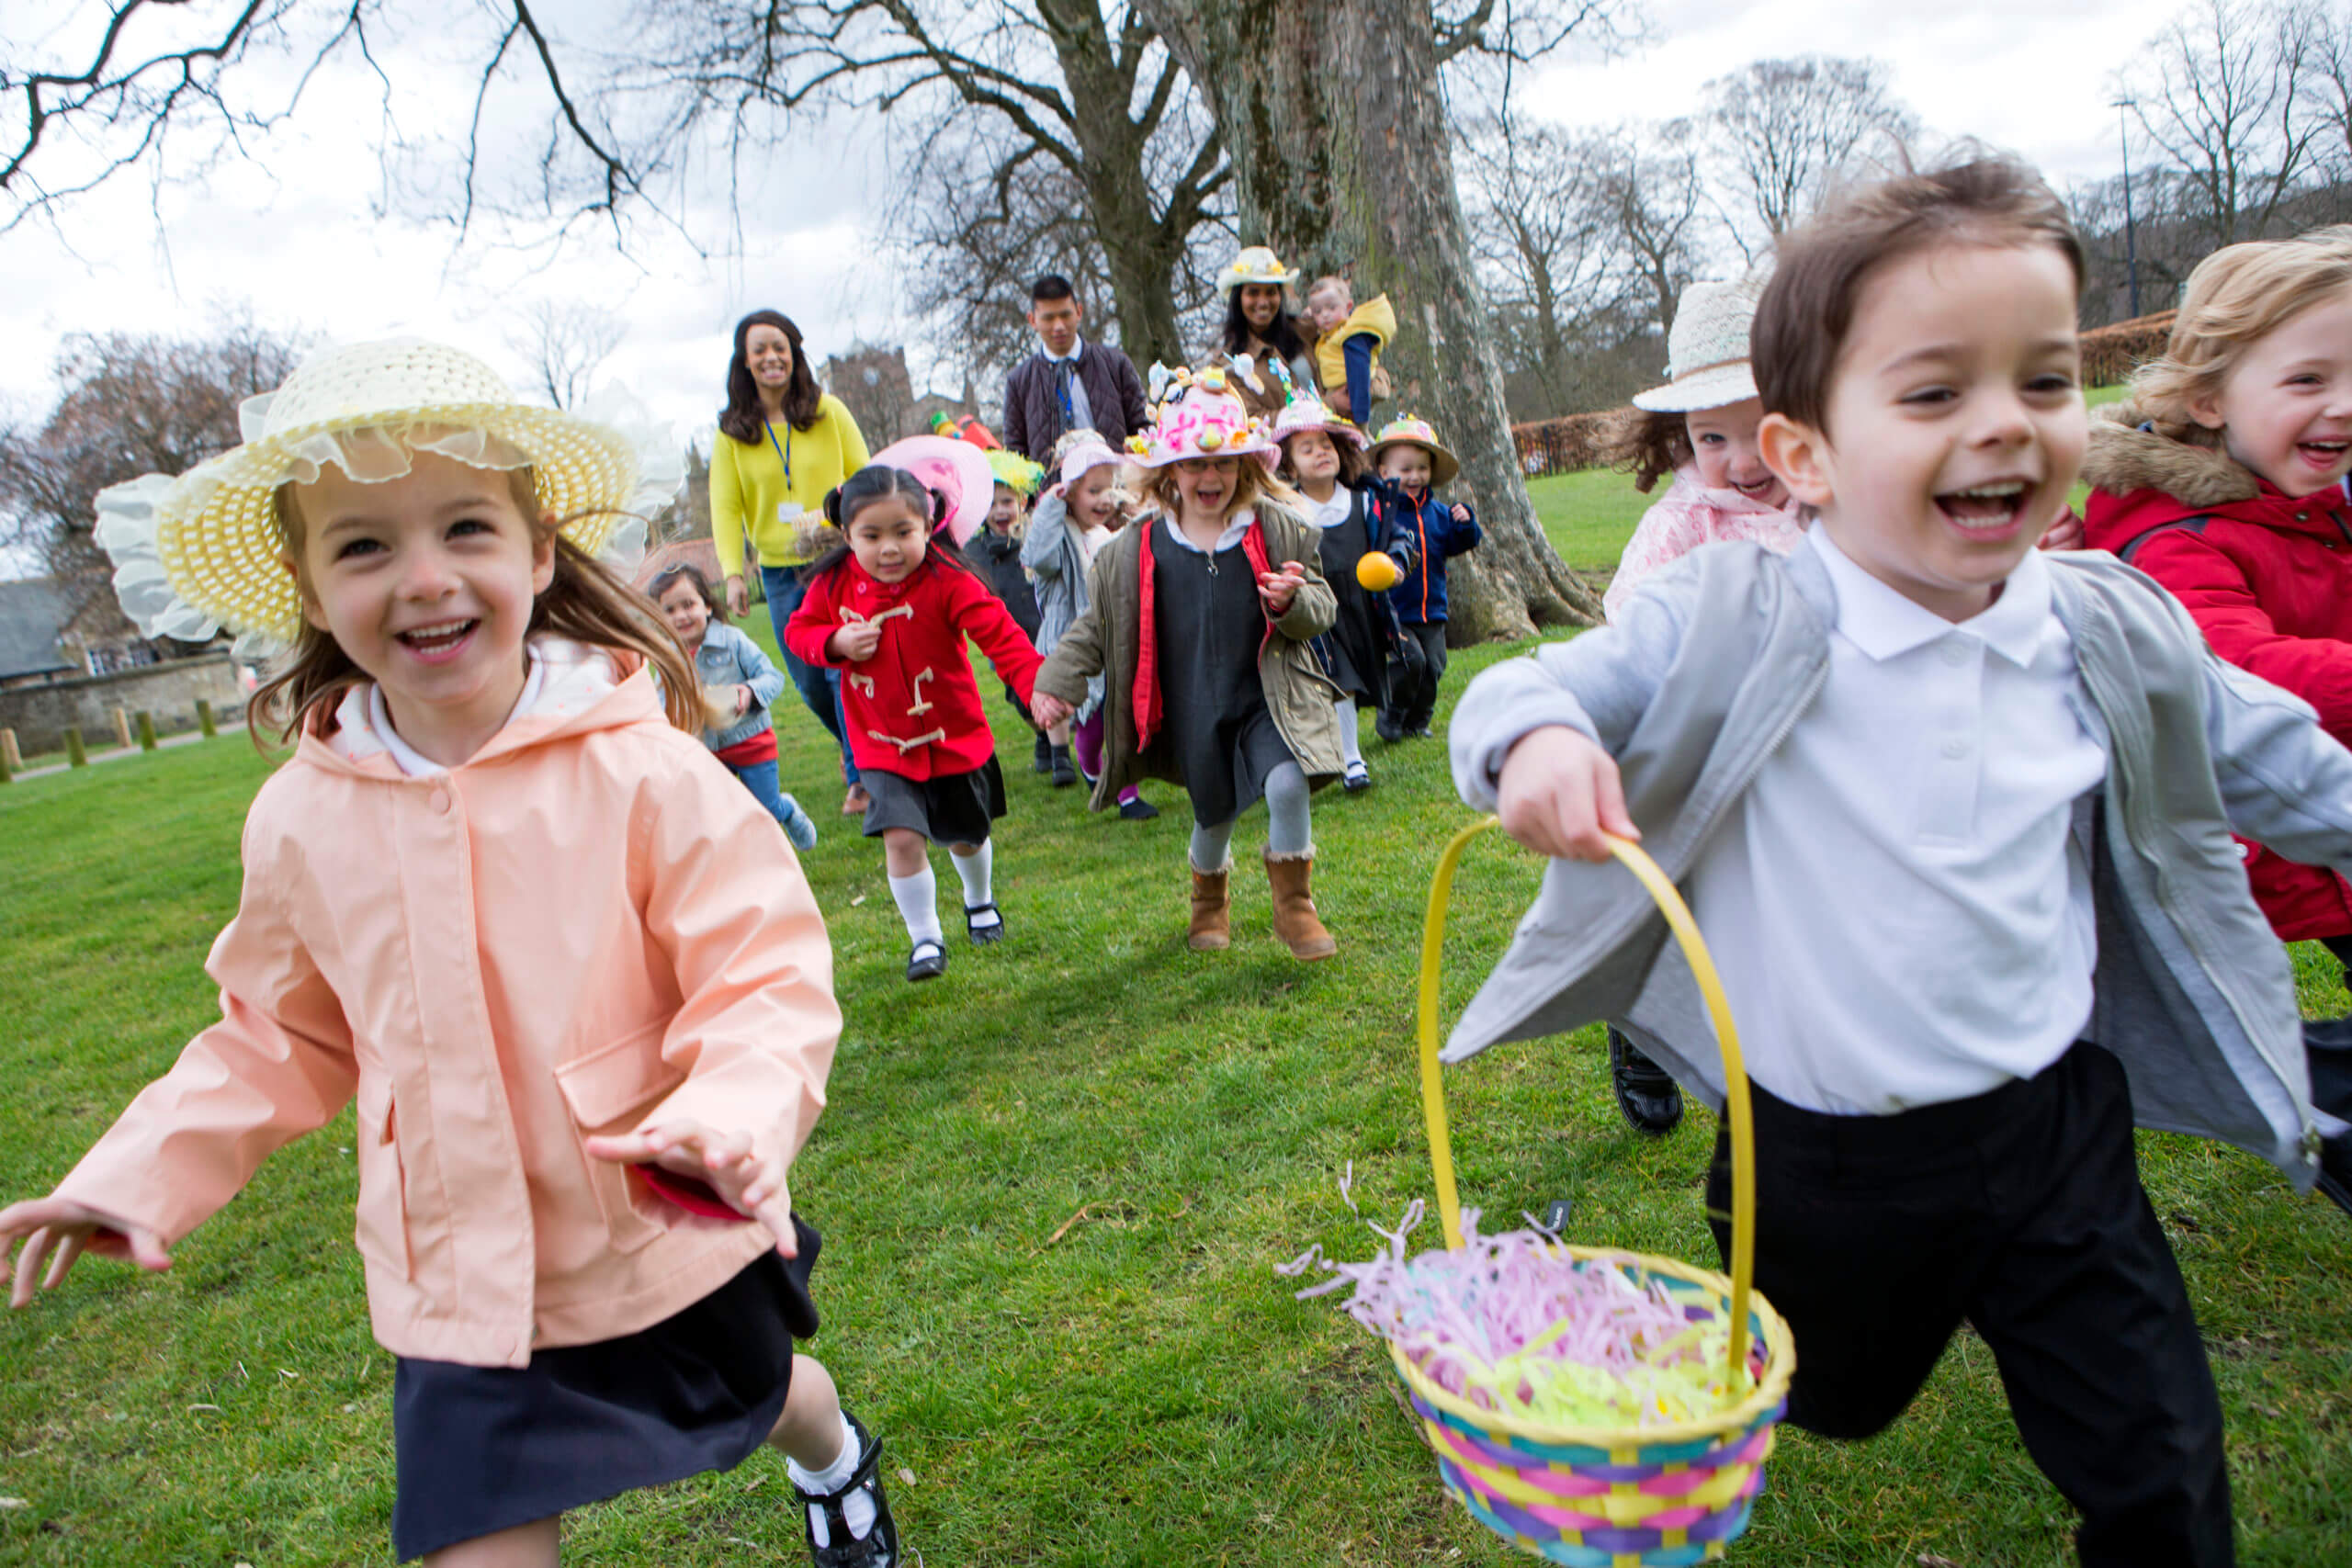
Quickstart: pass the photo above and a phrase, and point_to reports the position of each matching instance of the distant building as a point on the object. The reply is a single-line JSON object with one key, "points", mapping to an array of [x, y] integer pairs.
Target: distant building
{"points": [[874, 384], [53, 628]]}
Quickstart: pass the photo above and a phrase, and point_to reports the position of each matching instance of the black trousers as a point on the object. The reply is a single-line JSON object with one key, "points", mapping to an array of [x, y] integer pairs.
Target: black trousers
{"points": [[2020, 1210], [1412, 690]]}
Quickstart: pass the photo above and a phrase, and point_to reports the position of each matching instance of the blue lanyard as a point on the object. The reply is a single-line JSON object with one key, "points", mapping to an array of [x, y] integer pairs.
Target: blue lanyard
{"points": [[782, 453]]}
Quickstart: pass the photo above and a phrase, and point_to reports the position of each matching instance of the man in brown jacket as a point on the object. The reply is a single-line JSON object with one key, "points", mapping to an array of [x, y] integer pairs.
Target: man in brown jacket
{"points": [[1067, 382]]}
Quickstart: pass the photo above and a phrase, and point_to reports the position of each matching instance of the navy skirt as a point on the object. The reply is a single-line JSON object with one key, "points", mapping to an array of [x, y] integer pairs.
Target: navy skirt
{"points": [[484, 1449]]}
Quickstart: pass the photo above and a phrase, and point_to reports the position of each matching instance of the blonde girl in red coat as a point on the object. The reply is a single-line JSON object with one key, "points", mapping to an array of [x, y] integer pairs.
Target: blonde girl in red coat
{"points": [[890, 609], [502, 898]]}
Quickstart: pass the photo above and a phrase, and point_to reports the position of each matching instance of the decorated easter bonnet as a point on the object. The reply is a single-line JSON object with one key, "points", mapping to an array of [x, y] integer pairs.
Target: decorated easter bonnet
{"points": [[1015, 472], [1081, 458], [1305, 411], [1199, 416], [957, 469], [202, 551], [1256, 264], [1410, 430], [1707, 353]]}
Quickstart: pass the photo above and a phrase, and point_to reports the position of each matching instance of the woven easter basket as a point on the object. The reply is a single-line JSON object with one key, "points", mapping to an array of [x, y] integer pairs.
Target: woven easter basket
{"points": [[1615, 1496]]}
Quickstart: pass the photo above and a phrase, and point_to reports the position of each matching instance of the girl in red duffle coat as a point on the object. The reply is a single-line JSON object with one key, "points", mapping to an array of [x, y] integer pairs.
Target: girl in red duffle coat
{"points": [[890, 609]]}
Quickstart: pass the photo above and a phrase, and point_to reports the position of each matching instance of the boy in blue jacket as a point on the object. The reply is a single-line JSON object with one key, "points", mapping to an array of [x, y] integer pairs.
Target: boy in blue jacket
{"points": [[1955, 815], [1408, 466]]}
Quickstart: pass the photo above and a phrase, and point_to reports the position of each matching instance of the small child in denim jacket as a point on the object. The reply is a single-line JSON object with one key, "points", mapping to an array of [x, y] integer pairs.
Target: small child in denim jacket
{"points": [[739, 681]]}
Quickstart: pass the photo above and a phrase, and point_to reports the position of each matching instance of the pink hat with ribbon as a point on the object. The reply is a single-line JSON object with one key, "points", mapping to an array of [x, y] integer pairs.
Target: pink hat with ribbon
{"points": [[957, 469], [1201, 416]]}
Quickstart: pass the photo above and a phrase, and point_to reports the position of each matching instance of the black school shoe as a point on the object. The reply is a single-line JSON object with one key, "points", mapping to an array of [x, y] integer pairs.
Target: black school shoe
{"points": [[1043, 760], [982, 935], [1138, 809], [879, 1548], [1065, 772], [928, 961], [1650, 1098]]}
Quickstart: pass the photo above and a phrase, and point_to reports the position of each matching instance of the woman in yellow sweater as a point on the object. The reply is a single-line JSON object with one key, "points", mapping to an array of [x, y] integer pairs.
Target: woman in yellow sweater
{"points": [[781, 445]]}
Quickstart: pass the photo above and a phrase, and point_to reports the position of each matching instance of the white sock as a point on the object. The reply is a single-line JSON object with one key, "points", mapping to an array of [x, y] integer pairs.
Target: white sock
{"points": [[857, 1508], [918, 900], [1350, 748], [976, 869]]}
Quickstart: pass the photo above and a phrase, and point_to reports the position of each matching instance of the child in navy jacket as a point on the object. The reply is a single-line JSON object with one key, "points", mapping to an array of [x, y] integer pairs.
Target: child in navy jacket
{"points": [[1411, 465]]}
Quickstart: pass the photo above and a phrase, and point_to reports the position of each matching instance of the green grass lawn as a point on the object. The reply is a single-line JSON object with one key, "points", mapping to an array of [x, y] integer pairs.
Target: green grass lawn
{"points": [[1053, 1186]]}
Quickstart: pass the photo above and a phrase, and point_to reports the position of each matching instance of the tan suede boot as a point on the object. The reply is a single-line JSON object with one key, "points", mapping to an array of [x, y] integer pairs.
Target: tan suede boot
{"points": [[1212, 912], [1294, 920]]}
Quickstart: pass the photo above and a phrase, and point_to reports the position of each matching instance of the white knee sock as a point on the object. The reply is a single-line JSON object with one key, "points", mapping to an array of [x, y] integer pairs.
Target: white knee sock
{"points": [[974, 869], [1350, 748], [857, 1508], [918, 900]]}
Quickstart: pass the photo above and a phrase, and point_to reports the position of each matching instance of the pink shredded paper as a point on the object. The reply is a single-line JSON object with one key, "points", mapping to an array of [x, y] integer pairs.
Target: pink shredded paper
{"points": [[1510, 1323]]}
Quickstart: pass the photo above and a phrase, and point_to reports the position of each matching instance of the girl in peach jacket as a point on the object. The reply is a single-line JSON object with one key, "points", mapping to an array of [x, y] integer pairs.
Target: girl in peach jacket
{"points": [[503, 898]]}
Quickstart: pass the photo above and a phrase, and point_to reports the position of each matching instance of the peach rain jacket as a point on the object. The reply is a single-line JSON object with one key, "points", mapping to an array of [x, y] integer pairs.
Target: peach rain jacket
{"points": [[587, 927]]}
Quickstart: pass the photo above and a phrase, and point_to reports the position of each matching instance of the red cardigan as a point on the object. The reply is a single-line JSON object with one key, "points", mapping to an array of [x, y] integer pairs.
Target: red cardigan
{"points": [[2269, 579], [913, 708]]}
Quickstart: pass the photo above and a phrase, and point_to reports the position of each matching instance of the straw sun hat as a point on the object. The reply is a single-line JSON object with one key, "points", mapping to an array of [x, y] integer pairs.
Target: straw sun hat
{"points": [[1707, 353], [1256, 264], [203, 552]]}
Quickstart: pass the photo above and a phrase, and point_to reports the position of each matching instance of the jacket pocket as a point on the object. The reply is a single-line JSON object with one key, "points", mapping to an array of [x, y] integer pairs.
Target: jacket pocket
{"points": [[606, 1091], [381, 1232]]}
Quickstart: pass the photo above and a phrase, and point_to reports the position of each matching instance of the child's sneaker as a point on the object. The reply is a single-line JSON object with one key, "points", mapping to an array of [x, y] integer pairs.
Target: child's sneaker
{"points": [[1136, 809], [825, 1518], [798, 826]]}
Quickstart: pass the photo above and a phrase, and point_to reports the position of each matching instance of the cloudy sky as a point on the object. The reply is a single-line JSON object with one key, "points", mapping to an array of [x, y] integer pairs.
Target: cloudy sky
{"points": [[308, 234]]}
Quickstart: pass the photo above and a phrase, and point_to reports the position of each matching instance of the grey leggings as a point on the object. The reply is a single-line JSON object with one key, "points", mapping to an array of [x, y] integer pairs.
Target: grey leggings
{"points": [[1288, 833]]}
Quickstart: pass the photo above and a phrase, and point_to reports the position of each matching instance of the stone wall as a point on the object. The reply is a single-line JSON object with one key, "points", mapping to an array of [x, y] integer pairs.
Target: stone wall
{"points": [[40, 713]]}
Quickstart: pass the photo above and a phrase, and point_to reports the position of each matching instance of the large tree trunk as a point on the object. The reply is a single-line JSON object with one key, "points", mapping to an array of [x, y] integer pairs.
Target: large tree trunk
{"points": [[1332, 117]]}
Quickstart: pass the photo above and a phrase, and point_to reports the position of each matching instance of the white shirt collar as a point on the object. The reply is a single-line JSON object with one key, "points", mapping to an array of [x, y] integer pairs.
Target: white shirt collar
{"points": [[565, 679], [1884, 625], [1225, 541], [1077, 347]]}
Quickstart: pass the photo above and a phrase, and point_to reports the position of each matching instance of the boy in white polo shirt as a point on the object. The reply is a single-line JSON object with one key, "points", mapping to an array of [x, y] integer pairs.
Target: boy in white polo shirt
{"points": [[1955, 816]]}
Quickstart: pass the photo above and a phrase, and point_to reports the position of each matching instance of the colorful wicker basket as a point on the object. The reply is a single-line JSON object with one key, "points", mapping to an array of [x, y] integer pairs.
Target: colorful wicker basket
{"points": [[1614, 1497]]}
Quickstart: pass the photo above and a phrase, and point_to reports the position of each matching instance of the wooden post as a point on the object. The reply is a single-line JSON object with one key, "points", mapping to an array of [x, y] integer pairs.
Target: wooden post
{"points": [[123, 729], [76, 755], [146, 731], [204, 720], [14, 758]]}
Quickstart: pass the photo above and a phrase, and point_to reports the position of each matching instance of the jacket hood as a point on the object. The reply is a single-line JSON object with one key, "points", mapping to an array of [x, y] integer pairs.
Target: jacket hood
{"points": [[588, 688], [2141, 481]]}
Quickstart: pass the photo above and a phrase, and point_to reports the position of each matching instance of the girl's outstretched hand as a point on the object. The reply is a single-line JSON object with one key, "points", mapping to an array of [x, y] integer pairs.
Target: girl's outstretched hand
{"points": [[1560, 794], [72, 1230], [724, 1160], [1277, 588], [1049, 710]]}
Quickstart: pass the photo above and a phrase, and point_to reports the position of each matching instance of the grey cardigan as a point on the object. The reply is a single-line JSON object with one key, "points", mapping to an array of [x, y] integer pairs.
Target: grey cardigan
{"points": [[1709, 670]]}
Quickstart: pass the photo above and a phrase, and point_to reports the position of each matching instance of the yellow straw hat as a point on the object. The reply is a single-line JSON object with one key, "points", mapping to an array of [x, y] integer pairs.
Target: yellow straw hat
{"points": [[203, 552]]}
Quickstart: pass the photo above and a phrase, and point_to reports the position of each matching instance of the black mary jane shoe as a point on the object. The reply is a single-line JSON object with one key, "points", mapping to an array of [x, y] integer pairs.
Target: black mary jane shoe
{"points": [[928, 961], [878, 1547], [982, 935], [1650, 1098]]}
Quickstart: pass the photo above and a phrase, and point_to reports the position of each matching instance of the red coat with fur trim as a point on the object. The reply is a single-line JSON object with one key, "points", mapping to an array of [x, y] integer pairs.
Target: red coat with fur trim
{"points": [[2268, 579], [913, 708]]}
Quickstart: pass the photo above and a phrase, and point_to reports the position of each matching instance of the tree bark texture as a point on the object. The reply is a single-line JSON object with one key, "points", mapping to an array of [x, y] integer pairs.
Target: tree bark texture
{"points": [[1333, 122]]}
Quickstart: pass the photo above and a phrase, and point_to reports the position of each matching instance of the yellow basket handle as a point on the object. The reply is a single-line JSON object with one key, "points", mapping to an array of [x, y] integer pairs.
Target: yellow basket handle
{"points": [[1703, 969]]}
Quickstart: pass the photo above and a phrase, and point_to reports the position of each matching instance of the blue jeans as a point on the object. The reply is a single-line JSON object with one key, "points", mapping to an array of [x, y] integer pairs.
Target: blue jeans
{"points": [[820, 688], [760, 778]]}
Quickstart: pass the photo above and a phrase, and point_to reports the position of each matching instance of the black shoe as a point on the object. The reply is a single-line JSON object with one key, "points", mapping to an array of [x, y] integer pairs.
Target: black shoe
{"points": [[2336, 1171], [1138, 809], [1388, 729], [1357, 779], [982, 935], [879, 1545], [1043, 761], [928, 961], [1651, 1101], [1065, 772]]}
